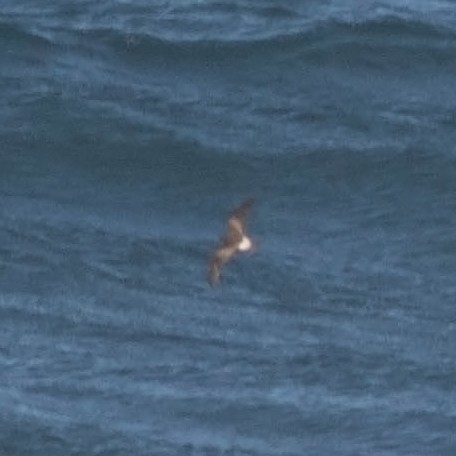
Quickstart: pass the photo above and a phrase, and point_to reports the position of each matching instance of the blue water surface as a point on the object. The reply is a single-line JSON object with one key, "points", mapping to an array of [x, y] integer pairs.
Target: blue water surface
{"points": [[128, 131]]}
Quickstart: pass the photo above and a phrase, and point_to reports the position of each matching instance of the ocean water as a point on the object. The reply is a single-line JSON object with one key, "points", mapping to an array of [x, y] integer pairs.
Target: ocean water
{"points": [[128, 131]]}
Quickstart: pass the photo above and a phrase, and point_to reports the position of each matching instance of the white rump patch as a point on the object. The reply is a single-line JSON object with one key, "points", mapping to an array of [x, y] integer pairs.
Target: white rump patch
{"points": [[245, 244]]}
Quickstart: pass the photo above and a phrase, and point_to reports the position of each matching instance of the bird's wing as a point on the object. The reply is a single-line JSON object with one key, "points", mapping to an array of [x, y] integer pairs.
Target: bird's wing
{"points": [[221, 255], [236, 221]]}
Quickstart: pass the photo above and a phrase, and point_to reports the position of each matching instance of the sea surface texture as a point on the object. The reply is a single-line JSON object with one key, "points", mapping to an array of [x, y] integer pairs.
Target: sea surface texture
{"points": [[128, 131]]}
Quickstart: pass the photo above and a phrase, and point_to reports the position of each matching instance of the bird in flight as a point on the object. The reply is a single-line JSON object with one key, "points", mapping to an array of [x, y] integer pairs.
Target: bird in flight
{"points": [[234, 240]]}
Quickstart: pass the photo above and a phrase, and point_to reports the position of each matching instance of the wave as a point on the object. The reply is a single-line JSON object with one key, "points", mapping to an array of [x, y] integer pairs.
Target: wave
{"points": [[379, 40], [16, 36], [222, 7], [386, 39]]}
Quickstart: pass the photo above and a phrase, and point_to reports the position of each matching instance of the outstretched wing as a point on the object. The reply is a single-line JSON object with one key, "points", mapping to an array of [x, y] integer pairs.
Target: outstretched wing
{"points": [[236, 221], [219, 258]]}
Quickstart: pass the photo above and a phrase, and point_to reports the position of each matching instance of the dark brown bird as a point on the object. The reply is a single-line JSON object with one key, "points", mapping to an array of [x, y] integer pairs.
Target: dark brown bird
{"points": [[234, 240]]}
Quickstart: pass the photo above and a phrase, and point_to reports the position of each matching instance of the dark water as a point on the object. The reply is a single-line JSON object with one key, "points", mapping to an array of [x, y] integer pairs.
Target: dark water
{"points": [[129, 129]]}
